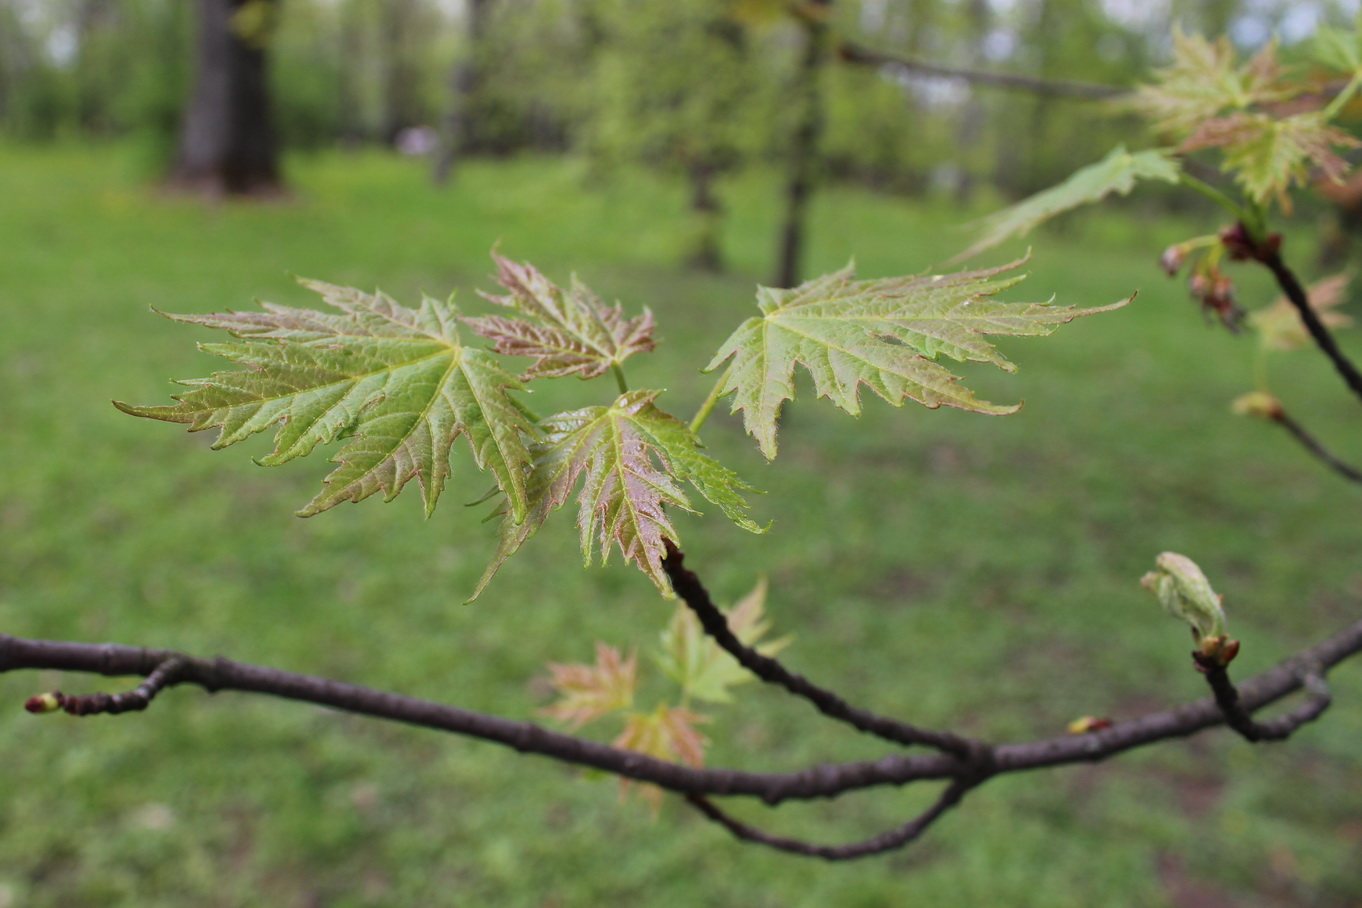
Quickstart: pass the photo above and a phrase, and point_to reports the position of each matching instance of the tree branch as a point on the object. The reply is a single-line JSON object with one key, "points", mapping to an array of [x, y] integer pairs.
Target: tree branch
{"points": [[688, 586], [1312, 444], [1241, 719], [1268, 252], [1085, 91], [823, 781], [892, 840]]}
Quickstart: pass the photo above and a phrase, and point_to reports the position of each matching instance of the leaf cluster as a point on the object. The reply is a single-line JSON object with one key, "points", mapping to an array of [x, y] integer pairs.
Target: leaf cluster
{"points": [[697, 666], [399, 387], [1275, 129]]}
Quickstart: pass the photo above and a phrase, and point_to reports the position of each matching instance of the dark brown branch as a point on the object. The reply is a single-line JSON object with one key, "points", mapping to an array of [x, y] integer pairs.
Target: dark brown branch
{"points": [[222, 674], [1313, 445], [139, 698], [1085, 91], [892, 840], [825, 781], [1241, 719], [688, 586], [1269, 253]]}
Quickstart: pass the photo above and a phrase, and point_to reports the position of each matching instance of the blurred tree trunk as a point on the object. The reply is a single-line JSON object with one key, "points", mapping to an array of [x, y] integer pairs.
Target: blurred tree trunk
{"points": [[707, 211], [803, 153], [94, 83], [228, 145], [401, 78], [464, 84], [973, 123]]}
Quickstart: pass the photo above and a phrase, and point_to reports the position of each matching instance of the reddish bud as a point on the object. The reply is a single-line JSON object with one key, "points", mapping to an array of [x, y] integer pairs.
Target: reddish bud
{"points": [[1087, 724], [1238, 243], [1172, 259], [45, 703]]}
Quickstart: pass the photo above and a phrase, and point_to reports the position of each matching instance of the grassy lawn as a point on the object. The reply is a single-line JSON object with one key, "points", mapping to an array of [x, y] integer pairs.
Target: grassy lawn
{"points": [[959, 570]]}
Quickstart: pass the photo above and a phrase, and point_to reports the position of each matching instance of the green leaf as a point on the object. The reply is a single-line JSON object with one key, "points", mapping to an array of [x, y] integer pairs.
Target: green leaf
{"points": [[394, 381], [700, 665], [630, 459], [1267, 154], [1339, 48], [1117, 172], [567, 332], [885, 334], [1204, 81], [1186, 594]]}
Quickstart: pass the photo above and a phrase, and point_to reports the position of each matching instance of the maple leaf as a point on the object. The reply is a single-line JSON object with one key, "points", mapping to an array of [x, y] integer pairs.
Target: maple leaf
{"points": [[884, 333], [1203, 81], [567, 332], [667, 733], [591, 691], [1117, 172], [395, 381], [630, 459], [1279, 324], [699, 664], [1268, 154]]}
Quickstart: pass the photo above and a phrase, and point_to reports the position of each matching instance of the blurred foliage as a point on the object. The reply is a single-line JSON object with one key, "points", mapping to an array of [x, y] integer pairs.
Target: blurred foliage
{"points": [[671, 83]]}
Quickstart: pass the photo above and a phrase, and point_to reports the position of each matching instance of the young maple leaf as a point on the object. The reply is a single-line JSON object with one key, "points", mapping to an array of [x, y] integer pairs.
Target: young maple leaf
{"points": [[1203, 81], [699, 664], [1117, 172], [1279, 324], [1267, 154], [395, 381], [630, 458], [885, 334], [667, 733], [589, 692], [567, 332]]}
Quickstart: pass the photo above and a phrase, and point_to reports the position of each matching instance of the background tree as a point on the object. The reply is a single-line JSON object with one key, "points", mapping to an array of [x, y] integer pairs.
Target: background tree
{"points": [[228, 144]]}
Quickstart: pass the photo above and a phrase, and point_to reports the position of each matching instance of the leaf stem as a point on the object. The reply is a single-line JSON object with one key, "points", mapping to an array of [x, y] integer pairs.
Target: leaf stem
{"points": [[1343, 97], [618, 371], [707, 407], [1215, 195]]}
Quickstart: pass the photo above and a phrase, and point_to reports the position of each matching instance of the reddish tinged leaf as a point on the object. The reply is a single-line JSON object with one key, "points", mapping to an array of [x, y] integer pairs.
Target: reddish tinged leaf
{"points": [[567, 332], [588, 692], [630, 459], [396, 382], [1268, 154], [667, 733], [1279, 325]]}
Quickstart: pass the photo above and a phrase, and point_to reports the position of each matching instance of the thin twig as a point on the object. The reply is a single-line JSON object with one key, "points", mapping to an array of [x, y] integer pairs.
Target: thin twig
{"points": [[139, 698], [1313, 445], [891, 840], [1085, 91], [1268, 253], [1282, 727], [688, 586]]}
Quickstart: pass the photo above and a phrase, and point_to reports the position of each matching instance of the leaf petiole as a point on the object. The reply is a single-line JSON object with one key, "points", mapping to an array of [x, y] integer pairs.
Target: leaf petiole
{"points": [[707, 407], [618, 371], [1215, 195]]}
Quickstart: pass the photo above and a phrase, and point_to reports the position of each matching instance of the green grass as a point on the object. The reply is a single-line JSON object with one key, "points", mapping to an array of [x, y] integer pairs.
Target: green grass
{"points": [[958, 570]]}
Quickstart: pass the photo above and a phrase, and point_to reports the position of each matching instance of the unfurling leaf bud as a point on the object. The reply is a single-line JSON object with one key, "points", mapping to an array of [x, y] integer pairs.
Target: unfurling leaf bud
{"points": [[1186, 593], [1086, 724], [1259, 404], [49, 702]]}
